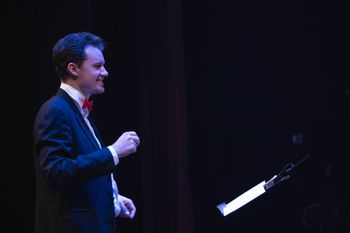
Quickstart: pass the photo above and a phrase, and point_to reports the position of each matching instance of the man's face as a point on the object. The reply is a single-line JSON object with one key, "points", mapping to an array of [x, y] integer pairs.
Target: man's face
{"points": [[92, 72]]}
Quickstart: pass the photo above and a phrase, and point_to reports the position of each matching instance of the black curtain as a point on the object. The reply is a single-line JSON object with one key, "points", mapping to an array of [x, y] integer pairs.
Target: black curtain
{"points": [[145, 92], [222, 93]]}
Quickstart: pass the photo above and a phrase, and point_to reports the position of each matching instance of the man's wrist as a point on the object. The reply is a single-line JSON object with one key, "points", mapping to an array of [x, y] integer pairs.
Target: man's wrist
{"points": [[114, 154]]}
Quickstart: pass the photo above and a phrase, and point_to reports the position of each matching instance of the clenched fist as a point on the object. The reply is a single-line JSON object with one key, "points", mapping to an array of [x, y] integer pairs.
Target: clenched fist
{"points": [[126, 144]]}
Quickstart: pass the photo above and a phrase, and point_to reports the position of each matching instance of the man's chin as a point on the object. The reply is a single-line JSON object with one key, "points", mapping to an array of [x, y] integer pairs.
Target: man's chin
{"points": [[99, 91]]}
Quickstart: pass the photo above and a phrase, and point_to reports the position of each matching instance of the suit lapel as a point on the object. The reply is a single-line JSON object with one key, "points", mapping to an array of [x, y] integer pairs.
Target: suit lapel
{"points": [[97, 133], [80, 119], [87, 131]]}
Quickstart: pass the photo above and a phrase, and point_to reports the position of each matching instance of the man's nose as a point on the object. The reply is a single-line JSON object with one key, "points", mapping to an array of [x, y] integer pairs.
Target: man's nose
{"points": [[104, 72]]}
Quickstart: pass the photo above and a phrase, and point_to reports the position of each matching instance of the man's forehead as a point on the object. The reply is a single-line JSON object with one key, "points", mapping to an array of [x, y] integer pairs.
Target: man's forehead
{"points": [[94, 54]]}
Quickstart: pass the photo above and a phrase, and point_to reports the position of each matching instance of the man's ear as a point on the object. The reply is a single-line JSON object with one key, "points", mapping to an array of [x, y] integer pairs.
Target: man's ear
{"points": [[73, 69]]}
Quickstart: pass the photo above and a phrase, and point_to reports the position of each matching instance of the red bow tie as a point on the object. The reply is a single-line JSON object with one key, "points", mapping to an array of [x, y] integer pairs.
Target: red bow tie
{"points": [[88, 104]]}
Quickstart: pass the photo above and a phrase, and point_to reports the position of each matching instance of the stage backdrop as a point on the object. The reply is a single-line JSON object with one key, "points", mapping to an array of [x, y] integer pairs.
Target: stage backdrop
{"points": [[222, 94]]}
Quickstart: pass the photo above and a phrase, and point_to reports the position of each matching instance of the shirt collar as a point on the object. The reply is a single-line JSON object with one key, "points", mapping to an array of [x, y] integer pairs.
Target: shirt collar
{"points": [[76, 95]]}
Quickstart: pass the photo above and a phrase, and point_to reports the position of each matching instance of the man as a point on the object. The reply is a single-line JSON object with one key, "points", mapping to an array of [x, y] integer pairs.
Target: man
{"points": [[75, 188]]}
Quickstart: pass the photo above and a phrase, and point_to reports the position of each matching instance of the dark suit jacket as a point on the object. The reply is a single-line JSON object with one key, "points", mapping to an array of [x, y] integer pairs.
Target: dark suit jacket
{"points": [[73, 175]]}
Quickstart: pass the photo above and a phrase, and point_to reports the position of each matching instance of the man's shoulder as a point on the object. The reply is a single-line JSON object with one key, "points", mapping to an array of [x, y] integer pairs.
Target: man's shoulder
{"points": [[56, 104], [55, 101]]}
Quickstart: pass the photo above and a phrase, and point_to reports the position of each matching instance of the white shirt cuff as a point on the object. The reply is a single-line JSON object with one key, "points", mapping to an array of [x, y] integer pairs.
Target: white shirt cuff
{"points": [[114, 154]]}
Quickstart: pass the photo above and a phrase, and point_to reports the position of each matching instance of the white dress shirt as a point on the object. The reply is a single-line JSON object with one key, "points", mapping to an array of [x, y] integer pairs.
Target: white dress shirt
{"points": [[79, 98]]}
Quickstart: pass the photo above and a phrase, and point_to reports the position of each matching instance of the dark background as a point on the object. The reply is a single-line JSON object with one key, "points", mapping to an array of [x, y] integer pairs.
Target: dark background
{"points": [[216, 90]]}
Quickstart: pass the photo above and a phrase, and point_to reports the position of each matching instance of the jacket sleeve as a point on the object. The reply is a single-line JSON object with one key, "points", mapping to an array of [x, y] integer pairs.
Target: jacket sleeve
{"points": [[54, 146]]}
